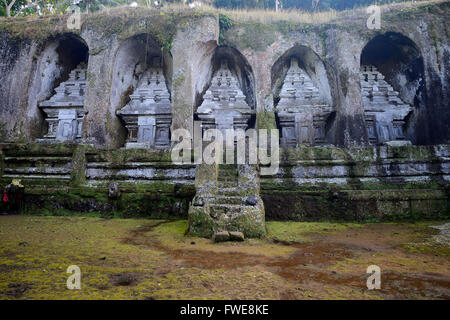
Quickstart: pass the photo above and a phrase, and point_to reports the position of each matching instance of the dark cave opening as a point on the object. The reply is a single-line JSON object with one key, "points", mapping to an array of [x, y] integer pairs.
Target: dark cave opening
{"points": [[133, 58], [72, 51], [400, 61], [61, 55]]}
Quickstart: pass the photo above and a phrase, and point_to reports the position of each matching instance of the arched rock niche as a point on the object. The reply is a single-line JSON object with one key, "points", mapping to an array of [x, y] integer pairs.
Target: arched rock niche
{"points": [[238, 66], [310, 125], [399, 60], [61, 55], [133, 58]]}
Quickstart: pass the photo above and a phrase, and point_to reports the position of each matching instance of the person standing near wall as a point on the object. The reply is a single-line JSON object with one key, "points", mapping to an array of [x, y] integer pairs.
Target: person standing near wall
{"points": [[12, 196]]}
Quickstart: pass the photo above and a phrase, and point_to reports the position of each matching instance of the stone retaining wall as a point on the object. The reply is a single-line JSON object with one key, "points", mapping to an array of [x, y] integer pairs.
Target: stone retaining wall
{"points": [[313, 183]]}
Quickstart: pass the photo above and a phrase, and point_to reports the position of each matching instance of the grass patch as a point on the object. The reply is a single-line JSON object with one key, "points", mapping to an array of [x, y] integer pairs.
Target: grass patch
{"points": [[173, 235], [37, 250], [300, 231], [163, 23]]}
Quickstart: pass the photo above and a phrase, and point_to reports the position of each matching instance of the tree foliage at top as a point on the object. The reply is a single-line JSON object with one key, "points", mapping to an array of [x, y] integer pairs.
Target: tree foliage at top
{"points": [[43, 7]]}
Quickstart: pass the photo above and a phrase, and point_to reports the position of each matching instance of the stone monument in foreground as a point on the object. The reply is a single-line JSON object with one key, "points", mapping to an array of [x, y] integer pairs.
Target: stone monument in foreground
{"points": [[227, 199], [227, 196]]}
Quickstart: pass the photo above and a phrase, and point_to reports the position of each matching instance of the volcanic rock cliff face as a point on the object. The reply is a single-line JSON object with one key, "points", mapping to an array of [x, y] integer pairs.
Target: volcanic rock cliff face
{"points": [[356, 163], [411, 50]]}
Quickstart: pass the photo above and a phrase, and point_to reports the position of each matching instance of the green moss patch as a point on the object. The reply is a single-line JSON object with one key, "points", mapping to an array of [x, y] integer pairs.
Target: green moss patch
{"points": [[155, 259], [301, 231]]}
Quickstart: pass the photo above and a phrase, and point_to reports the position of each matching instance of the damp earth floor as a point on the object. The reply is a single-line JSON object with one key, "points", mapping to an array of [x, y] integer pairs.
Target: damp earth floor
{"points": [[154, 259]]}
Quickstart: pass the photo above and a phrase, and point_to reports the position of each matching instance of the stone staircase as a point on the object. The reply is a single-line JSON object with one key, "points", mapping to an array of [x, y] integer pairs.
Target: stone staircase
{"points": [[227, 199], [227, 176]]}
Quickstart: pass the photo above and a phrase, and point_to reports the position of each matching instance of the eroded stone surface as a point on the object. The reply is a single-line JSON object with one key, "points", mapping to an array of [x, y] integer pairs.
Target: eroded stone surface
{"points": [[224, 105], [384, 111], [444, 235], [223, 204], [236, 236], [221, 236], [148, 115], [301, 110], [65, 110]]}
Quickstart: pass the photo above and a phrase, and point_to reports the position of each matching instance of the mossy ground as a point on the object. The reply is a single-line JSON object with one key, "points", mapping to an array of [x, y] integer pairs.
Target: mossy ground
{"points": [[301, 232], [159, 261]]}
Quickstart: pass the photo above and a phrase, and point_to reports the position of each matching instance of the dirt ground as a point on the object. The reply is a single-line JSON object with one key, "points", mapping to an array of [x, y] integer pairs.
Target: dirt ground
{"points": [[154, 259]]}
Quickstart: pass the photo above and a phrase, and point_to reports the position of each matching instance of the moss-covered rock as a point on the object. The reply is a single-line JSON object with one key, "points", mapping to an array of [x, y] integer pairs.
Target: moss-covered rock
{"points": [[206, 220], [266, 120], [78, 174]]}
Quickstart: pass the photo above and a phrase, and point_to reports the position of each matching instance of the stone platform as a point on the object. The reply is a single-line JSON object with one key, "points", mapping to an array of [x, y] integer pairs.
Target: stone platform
{"points": [[314, 183]]}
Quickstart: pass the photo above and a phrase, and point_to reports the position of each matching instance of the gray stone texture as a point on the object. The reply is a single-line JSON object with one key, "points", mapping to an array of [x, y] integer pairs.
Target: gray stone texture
{"points": [[148, 115], [31, 69], [224, 106], [336, 103], [302, 110], [384, 111], [221, 236], [65, 109]]}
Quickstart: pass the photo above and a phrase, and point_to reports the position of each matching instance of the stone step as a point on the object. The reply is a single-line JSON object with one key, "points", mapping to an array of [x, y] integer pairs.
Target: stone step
{"points": [[227, 173], [227, 197], [222, 178], [227, 200], [228, 170], [227, 184], [226, 176], [226, 208], [229, 192], [228, 166]]}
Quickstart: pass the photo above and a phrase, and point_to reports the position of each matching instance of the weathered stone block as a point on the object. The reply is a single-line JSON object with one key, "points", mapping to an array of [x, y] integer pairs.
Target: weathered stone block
{"points": [[221, 236], [236, 236]]}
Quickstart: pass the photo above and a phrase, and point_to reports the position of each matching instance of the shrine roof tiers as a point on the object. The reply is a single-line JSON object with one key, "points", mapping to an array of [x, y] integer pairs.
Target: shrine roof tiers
{"points": [[71, 92], [224, 93], [151, 95], [298, 90]]}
